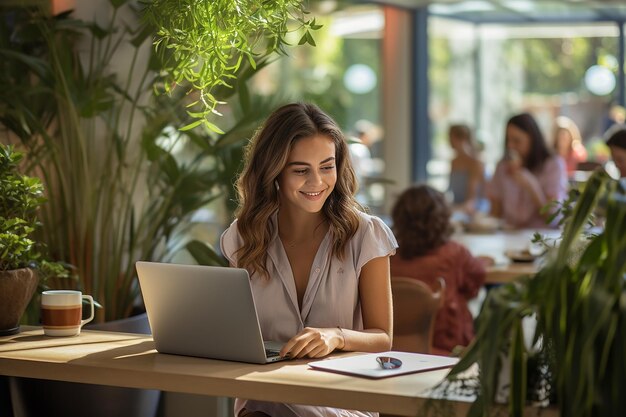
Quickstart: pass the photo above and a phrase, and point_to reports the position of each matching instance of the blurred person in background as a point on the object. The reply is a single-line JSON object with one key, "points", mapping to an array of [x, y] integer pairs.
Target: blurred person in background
{"points": [[568, 144], [467, 172], [527, 178], [365, 151], [616, 141], [371, 135], [616, 115], [421, 224]]}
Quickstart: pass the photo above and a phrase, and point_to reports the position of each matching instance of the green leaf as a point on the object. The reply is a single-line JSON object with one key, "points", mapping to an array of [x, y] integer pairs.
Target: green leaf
{"points": [[191, 125], [244, 96], [117, 3], [98, 31], [39, 66], [212, 127], [310, 39], [141, 36], [517, 356], [204, 254]]}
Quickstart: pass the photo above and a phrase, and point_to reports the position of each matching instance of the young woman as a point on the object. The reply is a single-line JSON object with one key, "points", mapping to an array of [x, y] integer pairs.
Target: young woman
{"points": [[568, 143], [319, 266], [527, 178], [421, 222], [467, 172]]}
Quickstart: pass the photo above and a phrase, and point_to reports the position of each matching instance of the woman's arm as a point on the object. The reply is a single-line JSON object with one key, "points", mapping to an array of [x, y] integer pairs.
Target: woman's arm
{"points": [[549, 185], [494, 191], [376, 307], [531, 185], [474, 273], [496, 207], [476, 179]]}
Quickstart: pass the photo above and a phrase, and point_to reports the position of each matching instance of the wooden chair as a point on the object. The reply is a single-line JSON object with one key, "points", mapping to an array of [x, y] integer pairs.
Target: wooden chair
{"points": [[415, 307]]}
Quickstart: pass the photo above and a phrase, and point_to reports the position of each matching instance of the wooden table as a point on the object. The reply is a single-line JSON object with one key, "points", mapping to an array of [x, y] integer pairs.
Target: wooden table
{"points": [[130, 360], [496, 245]]}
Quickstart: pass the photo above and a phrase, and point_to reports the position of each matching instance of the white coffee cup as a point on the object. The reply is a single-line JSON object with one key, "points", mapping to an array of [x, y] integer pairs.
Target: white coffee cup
{"points": [[61, 312]]}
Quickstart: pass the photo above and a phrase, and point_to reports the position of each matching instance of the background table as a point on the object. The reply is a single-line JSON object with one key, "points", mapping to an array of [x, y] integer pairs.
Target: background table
{"points": [[496, 245]]}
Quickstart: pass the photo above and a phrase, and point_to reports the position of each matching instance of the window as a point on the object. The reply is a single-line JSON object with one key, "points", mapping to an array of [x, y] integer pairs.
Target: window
{"points": [[483, 74]]}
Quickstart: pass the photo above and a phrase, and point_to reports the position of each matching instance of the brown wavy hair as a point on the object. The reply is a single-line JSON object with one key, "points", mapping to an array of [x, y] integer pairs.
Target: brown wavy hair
{"points": [[265, 158], [421, 221]]}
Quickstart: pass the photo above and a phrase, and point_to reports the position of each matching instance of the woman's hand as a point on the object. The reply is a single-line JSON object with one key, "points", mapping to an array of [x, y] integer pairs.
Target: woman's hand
{"points": [[313, 343], [375, 297], [514, 164], [519, 174]]}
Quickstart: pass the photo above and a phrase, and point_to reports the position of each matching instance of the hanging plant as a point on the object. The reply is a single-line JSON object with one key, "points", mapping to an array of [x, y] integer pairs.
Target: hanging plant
{"points": [[203, 43]]}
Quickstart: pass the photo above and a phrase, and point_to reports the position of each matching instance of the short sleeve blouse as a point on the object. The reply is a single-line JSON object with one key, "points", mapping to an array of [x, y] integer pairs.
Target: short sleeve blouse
{"points": [[331, 298]]}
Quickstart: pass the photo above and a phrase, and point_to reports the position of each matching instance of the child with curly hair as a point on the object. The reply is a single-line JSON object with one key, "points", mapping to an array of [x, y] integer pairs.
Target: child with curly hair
{"points": [[421, 224]]}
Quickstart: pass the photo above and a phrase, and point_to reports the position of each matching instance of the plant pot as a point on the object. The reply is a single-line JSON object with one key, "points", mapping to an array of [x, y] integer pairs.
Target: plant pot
{"points": [[16, 289]]}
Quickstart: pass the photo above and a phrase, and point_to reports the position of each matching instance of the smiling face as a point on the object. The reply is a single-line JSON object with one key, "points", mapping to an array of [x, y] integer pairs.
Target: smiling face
{"points": [[310, 175]]}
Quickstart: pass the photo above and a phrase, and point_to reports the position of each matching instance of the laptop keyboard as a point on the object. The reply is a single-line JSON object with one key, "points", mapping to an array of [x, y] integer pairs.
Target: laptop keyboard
{"points": [[270, 353]]}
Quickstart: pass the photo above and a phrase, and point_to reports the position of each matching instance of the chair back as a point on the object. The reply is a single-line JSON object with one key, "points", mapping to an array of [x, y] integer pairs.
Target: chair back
{"points": [[415, 307]]}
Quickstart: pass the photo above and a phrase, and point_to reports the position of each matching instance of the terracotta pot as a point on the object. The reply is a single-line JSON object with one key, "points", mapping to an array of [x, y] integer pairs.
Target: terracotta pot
{"points": [[16, 289]]}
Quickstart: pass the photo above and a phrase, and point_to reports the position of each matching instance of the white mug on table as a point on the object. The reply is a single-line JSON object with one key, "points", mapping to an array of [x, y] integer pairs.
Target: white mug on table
{"points": [[61, 312]]}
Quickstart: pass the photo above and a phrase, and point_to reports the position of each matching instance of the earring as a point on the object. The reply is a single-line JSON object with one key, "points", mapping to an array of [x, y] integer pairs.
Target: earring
{"points": [[276, 185]]}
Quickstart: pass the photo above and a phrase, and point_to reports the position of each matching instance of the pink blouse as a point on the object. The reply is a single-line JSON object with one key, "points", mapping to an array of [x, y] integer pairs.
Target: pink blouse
{"points": [[464, 275], [331, 298], [519, 210]]}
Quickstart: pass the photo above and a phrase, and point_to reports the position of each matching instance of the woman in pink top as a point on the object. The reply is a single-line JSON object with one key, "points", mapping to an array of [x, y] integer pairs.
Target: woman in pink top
{"points": [[527, 178], [319, 266], [421, 223]]}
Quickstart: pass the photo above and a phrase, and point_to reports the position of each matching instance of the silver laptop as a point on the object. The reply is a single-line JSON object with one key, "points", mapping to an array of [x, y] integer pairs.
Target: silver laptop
{"points": [[203, 311]]}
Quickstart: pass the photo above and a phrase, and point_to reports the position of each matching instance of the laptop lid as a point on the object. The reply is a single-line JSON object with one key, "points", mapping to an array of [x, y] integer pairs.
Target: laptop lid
{"points": [[204, 311]]}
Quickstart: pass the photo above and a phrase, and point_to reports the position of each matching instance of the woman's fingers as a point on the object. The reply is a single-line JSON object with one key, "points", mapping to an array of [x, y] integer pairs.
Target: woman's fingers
{"points": [[307, 349], [295, 345], [307, 343], [320, 352]]}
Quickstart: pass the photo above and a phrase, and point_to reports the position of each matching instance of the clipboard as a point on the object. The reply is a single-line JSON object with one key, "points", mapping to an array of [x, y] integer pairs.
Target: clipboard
{"points": [[365, 364]]}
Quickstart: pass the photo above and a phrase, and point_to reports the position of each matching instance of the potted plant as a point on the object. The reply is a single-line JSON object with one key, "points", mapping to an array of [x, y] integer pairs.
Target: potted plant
{"points": [[22, 264], [573, 357]]}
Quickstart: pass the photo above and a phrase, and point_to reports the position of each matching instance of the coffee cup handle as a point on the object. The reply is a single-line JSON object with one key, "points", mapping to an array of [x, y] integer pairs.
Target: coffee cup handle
{"points": [[90, 298]]}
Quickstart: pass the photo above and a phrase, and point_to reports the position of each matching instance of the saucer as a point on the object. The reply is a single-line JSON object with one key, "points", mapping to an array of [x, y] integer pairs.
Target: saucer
{"points": [[520, 255], [484, 225]]}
